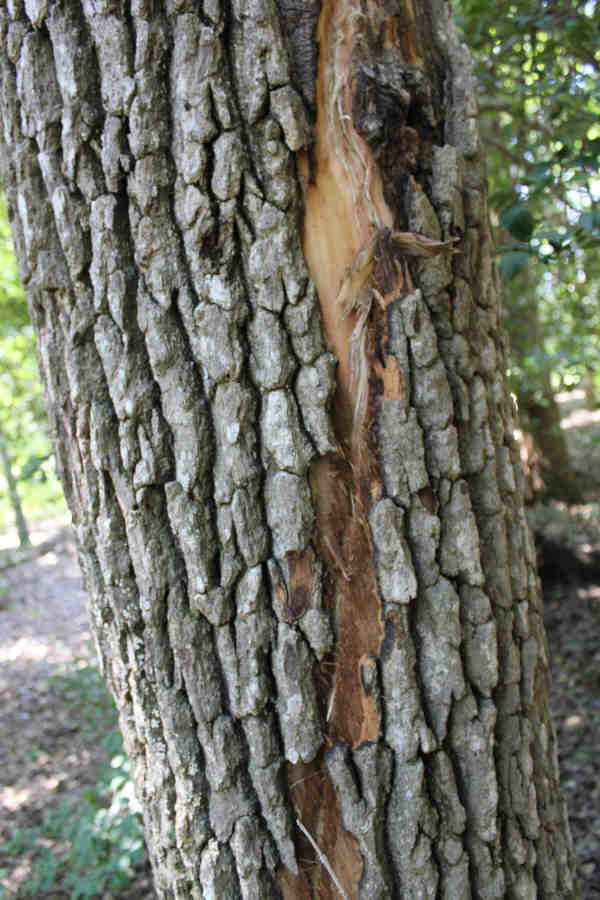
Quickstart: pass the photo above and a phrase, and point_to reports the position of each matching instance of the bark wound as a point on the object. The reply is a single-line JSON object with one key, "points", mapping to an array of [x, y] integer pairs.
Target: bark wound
{"points": [[316, 804], [302, 576], [168, 370], [349, 248]]}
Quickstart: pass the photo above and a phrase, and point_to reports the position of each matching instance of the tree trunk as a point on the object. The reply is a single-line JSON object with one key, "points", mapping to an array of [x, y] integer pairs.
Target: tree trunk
{"points": [[312, 587], [542, 420], [589, 387], [13, 494], [539, 411]]}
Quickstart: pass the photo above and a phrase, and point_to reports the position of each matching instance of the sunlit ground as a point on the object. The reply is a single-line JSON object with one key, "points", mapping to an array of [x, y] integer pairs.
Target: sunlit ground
{"points": [[581, 417], [38, 532]]}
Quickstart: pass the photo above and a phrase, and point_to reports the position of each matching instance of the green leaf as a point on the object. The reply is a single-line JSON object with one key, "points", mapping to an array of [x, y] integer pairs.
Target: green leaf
{"points": [[519, 221], [32, 465], [512, 263], [590, 220], [553, 237], [541, 173]]}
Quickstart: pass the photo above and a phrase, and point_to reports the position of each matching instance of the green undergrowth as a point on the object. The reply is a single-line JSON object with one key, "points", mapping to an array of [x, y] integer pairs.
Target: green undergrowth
{"points": [[91, 843]]}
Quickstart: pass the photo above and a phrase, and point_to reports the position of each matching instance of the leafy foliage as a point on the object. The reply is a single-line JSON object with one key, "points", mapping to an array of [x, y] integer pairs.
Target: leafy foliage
{"points": [[86, 846], [23, 427], [21, 400], [538, 63], [13, 308]]}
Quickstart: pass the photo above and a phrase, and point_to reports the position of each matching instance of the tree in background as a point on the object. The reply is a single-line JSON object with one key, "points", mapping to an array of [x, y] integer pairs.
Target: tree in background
{"points": [[24, 443], [311, 583], [539, 97]]}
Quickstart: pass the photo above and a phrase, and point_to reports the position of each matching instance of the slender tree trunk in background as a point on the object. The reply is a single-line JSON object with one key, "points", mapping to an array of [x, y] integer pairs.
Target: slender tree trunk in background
{"points": [[542, 420], [13, 494], [540, 417], [590, 389], [312, 587]]}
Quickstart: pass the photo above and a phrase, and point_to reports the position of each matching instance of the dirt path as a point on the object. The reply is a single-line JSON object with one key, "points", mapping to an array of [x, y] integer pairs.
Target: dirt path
{"points": [[46, 753], [44, 622], [44, 629]]}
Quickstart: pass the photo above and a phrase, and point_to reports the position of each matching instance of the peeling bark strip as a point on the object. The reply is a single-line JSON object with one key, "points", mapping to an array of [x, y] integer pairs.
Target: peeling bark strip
{"points": [[394, 181], [312, 586]]}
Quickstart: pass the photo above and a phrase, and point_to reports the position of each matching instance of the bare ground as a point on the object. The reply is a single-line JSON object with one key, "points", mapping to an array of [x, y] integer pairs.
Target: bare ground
{"points": [[43, 629], [45, 753]]}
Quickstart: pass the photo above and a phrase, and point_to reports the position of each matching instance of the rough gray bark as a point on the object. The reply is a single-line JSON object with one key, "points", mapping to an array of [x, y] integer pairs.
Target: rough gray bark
{"points": [[148, 160]]}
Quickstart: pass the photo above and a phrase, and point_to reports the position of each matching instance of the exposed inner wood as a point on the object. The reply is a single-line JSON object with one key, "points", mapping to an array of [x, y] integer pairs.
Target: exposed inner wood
{"points": [[354, 256], [344, 204], [344, 208], [344, 213], [316, 806]]}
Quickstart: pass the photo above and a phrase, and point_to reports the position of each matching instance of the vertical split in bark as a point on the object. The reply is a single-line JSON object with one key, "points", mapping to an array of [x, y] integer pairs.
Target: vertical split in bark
{"points": [[420, 517]]}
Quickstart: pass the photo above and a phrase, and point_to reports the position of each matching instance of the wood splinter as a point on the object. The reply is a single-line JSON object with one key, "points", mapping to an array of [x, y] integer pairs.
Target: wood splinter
{"points": [[357, 291], [322, 859]]}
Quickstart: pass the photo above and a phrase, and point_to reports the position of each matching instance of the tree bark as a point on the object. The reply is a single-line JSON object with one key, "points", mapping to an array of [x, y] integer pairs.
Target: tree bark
{"points": [[312, 586]]}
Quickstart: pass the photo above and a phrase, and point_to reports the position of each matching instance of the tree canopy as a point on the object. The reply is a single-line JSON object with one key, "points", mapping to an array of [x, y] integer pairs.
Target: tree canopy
{"points": [[537, 65]]}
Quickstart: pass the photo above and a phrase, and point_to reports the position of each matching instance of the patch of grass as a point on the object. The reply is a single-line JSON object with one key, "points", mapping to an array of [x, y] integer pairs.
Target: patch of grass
{"points": [[84, 691], [90, 844], [5, 590]]}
